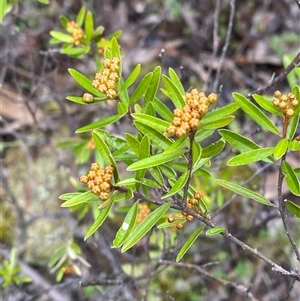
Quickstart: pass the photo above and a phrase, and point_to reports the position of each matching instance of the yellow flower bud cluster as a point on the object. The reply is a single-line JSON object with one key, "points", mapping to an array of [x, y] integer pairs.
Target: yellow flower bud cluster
{"points": [[143, 212], [194, 204], [285, 102], [98, 180], [188, 118], [76, 31], [106, 81]]}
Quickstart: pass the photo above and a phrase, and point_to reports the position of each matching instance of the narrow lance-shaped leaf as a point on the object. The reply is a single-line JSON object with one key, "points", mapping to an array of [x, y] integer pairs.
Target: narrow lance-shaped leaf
{"points": [[131, 78], [176, 80], [78, 199], [294, 123], [151, 121], [80, 101], [126, 227], [106, 154], [214, 231], [189, 242], [98, 124], [281, 148], [89, 26], [155, 136], [80, 16], [100, 219], [115, 49], [176, 145], [144, 152], [152, 87], [267, 104], [179, 184], [243, 191], [255, 113], [292, 208], [291, 178], [141, 88], [84, 82], [144, 227], [173, 92], [62, 37], [251, 156], [155, 160], [218, 123], [220, 112], [162, 109], [213, 149]]}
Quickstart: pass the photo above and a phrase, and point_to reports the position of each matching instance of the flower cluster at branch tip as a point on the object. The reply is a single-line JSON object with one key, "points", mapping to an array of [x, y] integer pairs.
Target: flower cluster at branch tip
{"points": [[196, 204], [188, 118], [144, 211], [106, 81], [285, 102], [76, 31], [98, 180]]}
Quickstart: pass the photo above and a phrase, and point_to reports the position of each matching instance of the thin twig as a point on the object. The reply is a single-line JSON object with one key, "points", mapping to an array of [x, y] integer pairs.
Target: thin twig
{"points": [[238, 287], [276, 80], [226, 45], [180, 206]]}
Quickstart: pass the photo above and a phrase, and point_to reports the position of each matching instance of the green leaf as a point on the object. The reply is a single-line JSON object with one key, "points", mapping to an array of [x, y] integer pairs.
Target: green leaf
{"points": [[281, 148], [251, 156], [98, 31], [69, 195], [177, 186], [152, 87], [243, 191], [80, 16], [220, 112], [213, 149], [151, 121], [79, 199], [267, 105], [291, 178], [100, 219], [203, 134], [197, 152], [176, 80], [168, 225], [115, 48], [241, 143], [122, 109], [77, 51], [89, 26], [62, 37], [144, 227], [131, 78], [105, 153], [79, 100], [255, 113], [189, 242], [155, 136], [144, 152], [63, 21], [173, 92], [292, 208], [294, 145], [162, 109], [149, 183], [133, 143], [84, 82], [155, 160], [141, 88], [126, 227], [176, 145], [215, 124], [98, 124], [214, 231]]}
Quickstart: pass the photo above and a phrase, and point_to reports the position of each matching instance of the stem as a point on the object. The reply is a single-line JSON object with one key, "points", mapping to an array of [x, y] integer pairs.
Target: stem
{"points": [[190, 166], [181, 207]]}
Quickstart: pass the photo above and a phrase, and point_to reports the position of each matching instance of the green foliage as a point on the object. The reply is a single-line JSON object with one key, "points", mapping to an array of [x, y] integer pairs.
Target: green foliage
{"points": [[10, 271], [172, 164]]}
